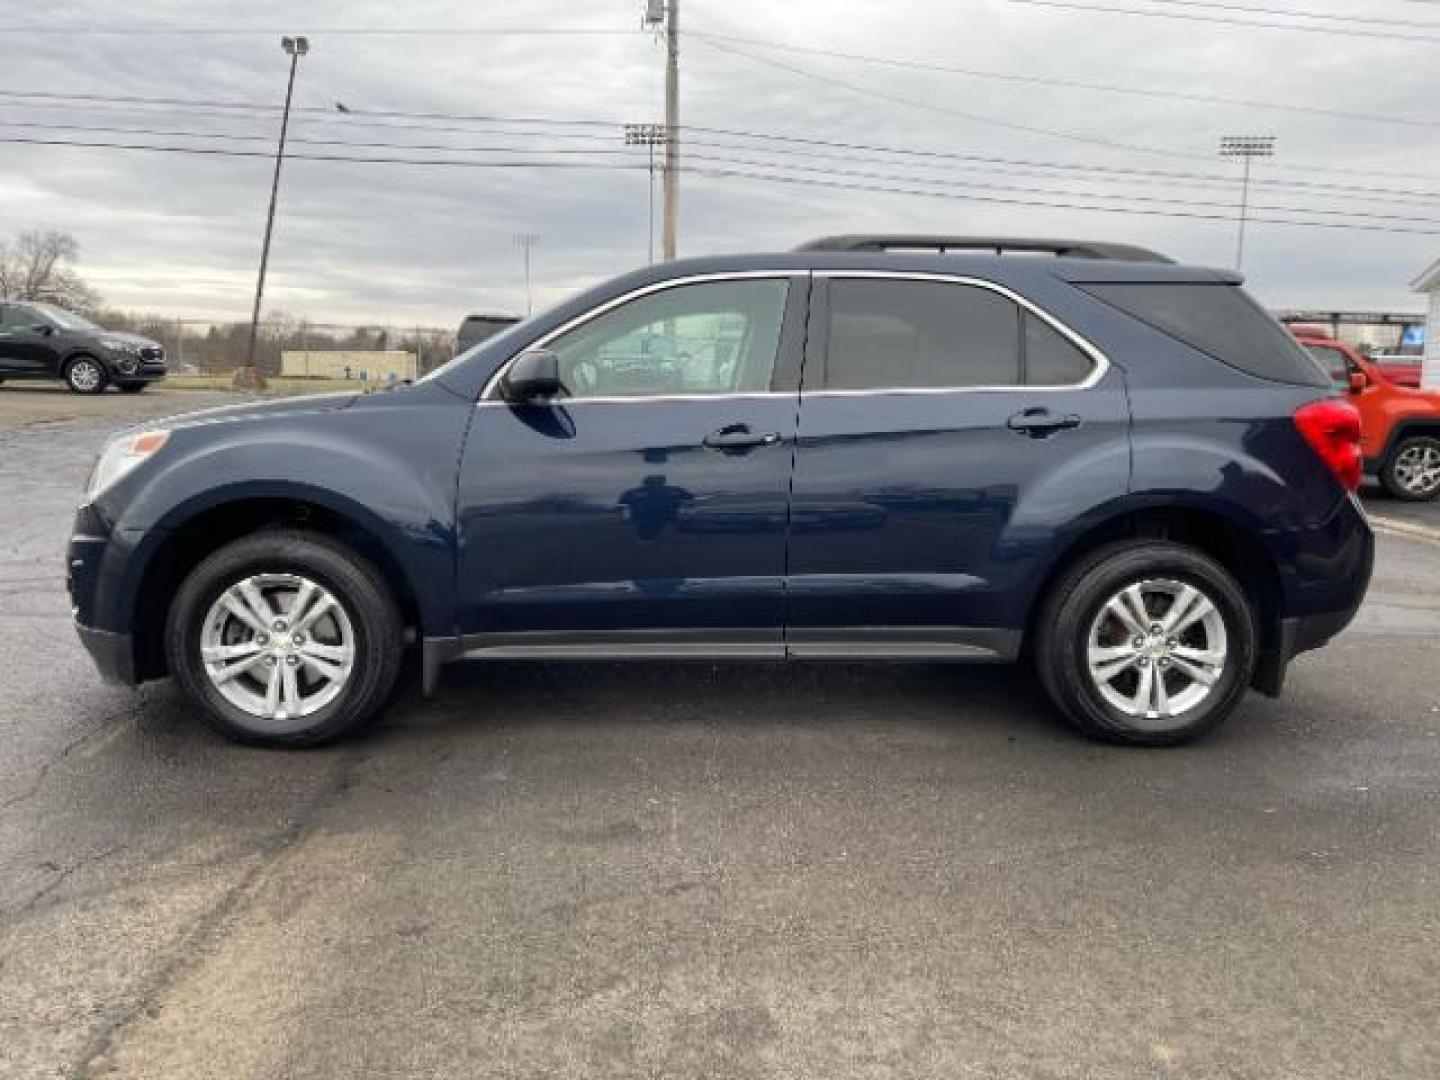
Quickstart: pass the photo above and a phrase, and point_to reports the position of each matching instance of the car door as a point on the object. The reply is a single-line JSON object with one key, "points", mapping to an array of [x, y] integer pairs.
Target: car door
{"points": [[644, 511], [949, 433], [23, 348]]}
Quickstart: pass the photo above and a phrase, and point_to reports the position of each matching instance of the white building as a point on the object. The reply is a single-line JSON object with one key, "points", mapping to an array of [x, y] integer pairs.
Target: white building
{"points": [[1429, 284]]}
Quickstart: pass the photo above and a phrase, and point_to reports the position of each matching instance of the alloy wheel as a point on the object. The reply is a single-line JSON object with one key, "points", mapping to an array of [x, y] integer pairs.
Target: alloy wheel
{"points": [[1156, 650], [86, 376], [278, 647], [1417, 468]]}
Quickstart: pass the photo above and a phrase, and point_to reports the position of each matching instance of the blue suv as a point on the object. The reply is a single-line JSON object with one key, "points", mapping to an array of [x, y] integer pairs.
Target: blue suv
{"points": [[875, 447]]}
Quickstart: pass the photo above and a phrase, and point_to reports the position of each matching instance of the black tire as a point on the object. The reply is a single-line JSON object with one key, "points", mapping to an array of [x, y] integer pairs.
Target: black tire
{"points": [[1393, 481], [131, 387], [358, 587], [78, 375], [1072, 608]]}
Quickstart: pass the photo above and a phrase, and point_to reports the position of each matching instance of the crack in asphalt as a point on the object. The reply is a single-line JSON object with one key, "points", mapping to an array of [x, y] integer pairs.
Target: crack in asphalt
{"points": [[212, 926], [129, 712]]}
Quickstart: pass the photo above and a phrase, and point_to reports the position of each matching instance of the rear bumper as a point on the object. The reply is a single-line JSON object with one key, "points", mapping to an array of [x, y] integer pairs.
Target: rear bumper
{"points": [[114, 654], [1317, 610]]}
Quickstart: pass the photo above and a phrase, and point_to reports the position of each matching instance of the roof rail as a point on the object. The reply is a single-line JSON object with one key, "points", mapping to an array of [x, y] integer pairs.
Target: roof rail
{"points": [[997, 245]]}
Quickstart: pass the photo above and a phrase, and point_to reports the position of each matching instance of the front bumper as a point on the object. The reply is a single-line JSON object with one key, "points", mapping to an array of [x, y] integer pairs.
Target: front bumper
{"points": [[114, 654]]}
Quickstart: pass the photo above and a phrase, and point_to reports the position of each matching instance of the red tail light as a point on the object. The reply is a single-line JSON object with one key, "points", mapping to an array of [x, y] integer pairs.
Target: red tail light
{"points": [[1332, 428]]}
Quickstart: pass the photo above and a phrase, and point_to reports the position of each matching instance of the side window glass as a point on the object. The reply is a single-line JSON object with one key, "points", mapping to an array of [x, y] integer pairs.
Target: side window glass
{"points": [[710, 338], [1332, 362], [919, 334], [1052, 359]]}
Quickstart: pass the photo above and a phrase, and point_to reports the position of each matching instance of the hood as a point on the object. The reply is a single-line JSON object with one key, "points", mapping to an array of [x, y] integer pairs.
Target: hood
{"points": [[258, 410], [134, 339]]}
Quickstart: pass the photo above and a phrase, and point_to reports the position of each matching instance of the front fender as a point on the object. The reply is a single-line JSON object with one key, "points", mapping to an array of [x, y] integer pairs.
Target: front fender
{"points": [[389, 470]]}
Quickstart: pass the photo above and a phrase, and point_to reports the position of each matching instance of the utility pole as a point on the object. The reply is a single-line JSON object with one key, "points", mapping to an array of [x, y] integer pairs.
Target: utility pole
{"points": [[295, 47], [672, 125], [525, 241], [648, 136], [1245, 147]]}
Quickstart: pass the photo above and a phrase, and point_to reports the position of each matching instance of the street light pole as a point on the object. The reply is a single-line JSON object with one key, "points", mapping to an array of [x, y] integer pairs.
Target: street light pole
{"points": [[295, 47], [1245, 147], [672, 127], [525, 241]]}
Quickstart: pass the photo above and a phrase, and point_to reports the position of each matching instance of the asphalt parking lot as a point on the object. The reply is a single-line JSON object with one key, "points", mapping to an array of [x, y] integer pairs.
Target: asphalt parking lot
{"points": [[709, 871]]}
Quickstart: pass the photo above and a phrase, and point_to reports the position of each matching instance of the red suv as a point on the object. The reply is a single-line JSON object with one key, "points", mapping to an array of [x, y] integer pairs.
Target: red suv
{"points": [[1399, 426]]}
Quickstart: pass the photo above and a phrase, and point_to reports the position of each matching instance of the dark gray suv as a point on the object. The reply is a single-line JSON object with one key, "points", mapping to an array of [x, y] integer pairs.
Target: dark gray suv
{"points": [[42, 341]]}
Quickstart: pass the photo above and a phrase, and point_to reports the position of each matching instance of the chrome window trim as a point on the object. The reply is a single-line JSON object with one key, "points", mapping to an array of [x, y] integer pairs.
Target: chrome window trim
{"points": [[635, 294], [1100, 361]]}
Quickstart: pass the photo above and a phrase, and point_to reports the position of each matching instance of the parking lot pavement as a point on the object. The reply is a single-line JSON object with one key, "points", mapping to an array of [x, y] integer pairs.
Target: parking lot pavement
{"points": [[708, 871]]}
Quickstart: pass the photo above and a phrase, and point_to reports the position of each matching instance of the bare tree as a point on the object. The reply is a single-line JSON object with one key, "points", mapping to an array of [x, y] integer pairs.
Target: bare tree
{"points": [[39, 265]]}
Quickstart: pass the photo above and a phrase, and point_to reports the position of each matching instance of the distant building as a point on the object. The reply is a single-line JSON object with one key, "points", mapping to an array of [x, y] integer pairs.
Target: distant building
{"points": [[372, 366]]}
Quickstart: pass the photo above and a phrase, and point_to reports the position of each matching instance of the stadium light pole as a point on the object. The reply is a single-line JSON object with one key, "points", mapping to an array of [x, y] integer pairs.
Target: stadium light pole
{"points": [[1246, 148], [295, 47], [648, 136]]}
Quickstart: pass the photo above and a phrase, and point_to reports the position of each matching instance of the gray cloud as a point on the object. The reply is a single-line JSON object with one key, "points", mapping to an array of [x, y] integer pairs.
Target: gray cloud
{"points": [[404, 244]]}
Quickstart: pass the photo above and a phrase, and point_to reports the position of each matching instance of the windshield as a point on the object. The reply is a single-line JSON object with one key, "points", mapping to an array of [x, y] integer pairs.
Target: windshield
{"points": [[65, 320]]}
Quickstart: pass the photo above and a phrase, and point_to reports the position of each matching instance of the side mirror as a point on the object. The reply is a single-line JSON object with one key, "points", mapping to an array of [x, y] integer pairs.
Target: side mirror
{"points": [[1358, 382], [43, 329], [533, 377]]}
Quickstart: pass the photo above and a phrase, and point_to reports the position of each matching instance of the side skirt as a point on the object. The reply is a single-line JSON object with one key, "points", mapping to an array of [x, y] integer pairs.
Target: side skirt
{"points": [[860, 643]]}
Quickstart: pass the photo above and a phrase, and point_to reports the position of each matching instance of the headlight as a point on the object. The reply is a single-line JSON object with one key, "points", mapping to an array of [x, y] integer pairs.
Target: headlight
{"points": [[120, 456], [118, 345]]}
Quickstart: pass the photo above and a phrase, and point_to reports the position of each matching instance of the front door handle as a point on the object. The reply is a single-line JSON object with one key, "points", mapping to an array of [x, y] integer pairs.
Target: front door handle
{"points": [[1038, 423], [739, 438]]}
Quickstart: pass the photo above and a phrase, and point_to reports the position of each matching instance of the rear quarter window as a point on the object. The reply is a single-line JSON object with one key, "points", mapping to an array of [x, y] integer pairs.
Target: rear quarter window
{"points": [[1220, 321]]}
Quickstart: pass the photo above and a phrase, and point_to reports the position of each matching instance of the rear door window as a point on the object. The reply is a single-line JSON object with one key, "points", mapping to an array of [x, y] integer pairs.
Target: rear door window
{"points": [[908, 334], [1220, 321]]}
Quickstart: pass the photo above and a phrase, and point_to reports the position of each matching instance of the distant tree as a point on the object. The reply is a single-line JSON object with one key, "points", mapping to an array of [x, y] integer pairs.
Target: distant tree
{"points": [[39, 265]]}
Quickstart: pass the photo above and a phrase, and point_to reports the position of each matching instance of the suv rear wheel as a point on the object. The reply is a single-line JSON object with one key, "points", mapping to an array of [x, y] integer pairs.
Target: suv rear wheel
{"points": [[1412, 472], [1147, 643], [285, 638], [85, 375]]}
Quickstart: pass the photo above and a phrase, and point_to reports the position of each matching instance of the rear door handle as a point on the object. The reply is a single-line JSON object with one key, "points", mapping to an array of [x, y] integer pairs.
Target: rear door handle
{"points": [[738, 438], [1038, 423]]}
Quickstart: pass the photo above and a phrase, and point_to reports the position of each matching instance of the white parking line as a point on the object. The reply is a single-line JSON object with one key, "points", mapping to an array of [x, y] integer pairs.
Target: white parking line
{"points": [[1405, 529]]}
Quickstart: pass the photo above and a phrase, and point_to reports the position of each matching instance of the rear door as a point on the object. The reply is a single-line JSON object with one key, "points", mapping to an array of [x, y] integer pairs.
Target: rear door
{"points": [[24, 350], [645, 513], [949, 434]]}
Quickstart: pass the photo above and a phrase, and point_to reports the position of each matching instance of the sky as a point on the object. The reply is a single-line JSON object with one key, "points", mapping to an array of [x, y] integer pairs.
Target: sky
{"points": [[778, 145]]}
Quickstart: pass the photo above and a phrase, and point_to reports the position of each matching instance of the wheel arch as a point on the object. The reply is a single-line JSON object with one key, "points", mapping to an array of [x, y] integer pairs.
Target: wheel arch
{"points": [[189, 537], [1404, 429], [1225, 537]]}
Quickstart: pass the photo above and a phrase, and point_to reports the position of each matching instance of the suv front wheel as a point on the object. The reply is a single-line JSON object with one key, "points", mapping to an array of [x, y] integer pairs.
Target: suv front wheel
{"points": [[85, 375], [1412, 472], [1147, 643], [285, 638]]}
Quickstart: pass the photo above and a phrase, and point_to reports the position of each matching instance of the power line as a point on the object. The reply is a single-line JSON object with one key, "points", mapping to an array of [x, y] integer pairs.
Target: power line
{"points": [[992, 166], [1069, 84], [1075, 5], [1096, 140], [744, 173], [1291, 13], [1063, 205], [787, 145], [930, 106], [327, 31]]}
